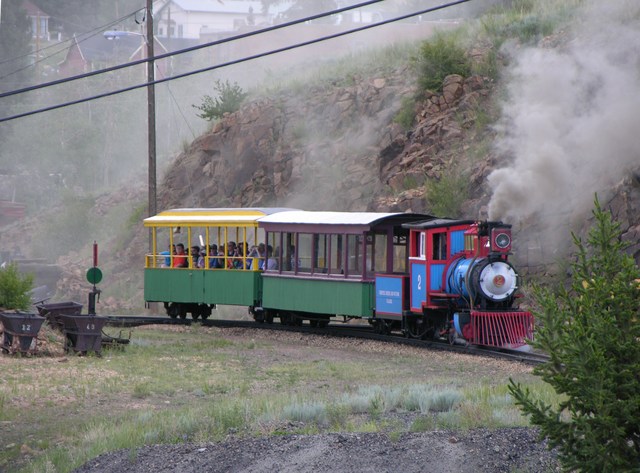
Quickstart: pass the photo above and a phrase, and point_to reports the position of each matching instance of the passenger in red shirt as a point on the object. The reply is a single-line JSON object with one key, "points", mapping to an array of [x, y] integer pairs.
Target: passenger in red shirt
{"points": [[180, 259]]}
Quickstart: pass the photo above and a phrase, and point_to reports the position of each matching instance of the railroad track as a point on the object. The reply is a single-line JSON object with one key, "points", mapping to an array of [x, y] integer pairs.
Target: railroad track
{"points": [[335, 330]]}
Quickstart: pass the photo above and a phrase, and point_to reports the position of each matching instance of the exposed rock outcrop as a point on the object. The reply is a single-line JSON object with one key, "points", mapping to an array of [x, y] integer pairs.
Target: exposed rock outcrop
{"points": [[331, 148]]}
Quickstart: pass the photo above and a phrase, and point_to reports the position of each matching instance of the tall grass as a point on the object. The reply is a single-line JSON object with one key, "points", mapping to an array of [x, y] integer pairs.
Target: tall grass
{"points": [[527, 21], [340, 71]]}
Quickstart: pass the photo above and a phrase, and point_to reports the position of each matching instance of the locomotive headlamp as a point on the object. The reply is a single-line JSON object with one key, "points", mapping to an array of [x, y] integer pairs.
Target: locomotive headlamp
{"points": [[503, 240], [500, 239]]}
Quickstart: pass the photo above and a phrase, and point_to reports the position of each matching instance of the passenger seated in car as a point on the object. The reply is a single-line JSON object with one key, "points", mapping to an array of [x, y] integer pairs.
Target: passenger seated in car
{"points": [[257, 255], [180, 258], [194, 254], [232, 253], [166, 261], [238, 261], [272, 263], [221, 254], [214, 261], [201, 257]]}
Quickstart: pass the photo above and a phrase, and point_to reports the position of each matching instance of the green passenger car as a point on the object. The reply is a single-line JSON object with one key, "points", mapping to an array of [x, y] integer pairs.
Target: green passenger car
{"points": [[323, 264], [210, 272]]}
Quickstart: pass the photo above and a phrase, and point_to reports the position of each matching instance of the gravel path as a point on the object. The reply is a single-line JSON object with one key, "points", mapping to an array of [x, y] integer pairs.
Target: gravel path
{"points": [[503, 450]]}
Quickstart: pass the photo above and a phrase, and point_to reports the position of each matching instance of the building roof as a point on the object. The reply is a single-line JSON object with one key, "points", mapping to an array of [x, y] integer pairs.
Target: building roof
{"points": [[97, 48], [225, 6], [33, 10], [217, 6]]}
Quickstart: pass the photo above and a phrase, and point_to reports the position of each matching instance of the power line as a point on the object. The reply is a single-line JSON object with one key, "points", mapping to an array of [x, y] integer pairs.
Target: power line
{"points": [[231, 63], [178, 106]]}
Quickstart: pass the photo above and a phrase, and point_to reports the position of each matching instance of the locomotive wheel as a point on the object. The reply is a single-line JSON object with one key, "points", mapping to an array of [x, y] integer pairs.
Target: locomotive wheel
{"points": [[383, 327], [323, 323], [313, 323], [183, 312], [418, 330], [268, 317]]}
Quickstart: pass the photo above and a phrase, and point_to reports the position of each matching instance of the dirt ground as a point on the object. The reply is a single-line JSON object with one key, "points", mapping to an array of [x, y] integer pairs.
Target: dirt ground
{"points": [[504, 450]]}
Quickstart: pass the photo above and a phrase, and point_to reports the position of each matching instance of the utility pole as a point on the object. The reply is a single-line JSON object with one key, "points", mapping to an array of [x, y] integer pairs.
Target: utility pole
{"points": [[151, 115]]}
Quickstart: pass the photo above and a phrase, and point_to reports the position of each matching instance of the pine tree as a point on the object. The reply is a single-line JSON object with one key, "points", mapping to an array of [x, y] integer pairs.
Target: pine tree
{"points": [[591, 331]]}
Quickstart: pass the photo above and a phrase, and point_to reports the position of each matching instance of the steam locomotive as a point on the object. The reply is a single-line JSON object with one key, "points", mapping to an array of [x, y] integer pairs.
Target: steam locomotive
{"points": [[415, 274]]}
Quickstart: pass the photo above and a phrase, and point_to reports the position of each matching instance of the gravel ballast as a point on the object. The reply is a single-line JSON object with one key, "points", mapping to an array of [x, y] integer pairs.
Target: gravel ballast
{"points": [[480, 450]]}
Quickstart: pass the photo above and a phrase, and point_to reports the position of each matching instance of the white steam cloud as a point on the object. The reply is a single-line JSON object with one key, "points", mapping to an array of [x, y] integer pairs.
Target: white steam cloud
{"points": [[571, 127]]}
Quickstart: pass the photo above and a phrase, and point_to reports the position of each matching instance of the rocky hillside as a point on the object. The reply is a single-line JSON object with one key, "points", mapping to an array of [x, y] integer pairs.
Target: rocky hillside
{"points": [[335, 147]]}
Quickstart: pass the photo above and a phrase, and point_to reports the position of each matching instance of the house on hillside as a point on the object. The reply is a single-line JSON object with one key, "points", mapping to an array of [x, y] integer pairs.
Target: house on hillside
{"points": [[39, 20], [191, 18], [90, 53]]}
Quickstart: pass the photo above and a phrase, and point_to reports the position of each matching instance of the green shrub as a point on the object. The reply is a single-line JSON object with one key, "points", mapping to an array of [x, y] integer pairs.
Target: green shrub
{"points": [[446, 195], [306, 412], [229, 99], [425, 399], [14, 288], [438, 58], [407, 113], [590, 331]]}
